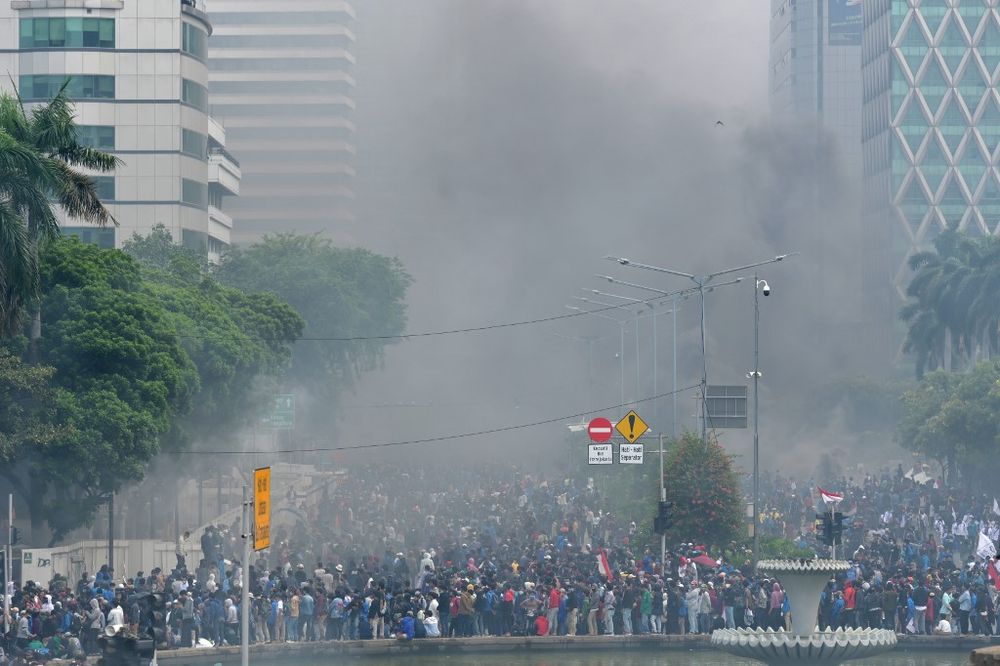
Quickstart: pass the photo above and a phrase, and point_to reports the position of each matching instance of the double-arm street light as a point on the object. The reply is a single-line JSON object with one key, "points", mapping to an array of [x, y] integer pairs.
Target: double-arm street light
{"points": [[674, 297], [703, 283], [621, 323], [651, 304], [621, 351]]}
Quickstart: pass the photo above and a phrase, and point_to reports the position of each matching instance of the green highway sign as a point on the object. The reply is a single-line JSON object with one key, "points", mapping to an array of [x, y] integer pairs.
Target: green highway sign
{"points": [[282, 416]]}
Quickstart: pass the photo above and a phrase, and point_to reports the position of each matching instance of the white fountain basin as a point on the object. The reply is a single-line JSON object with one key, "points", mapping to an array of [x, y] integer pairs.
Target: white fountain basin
{"points": [[803, 582]]}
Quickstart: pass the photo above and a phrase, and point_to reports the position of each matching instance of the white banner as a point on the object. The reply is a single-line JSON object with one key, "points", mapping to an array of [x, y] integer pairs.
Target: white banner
{"points": [[986, 549]]}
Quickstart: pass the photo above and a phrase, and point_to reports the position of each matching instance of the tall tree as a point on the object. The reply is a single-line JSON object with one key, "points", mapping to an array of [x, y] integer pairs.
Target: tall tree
{"points": [[955, 419], [239, 342], [43, 165], [340, 293], [703, 485], [954, 308]]}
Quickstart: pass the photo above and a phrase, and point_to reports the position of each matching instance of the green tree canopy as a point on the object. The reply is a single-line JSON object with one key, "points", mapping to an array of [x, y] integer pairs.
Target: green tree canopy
{"points": [[340, 293], [702, 482], [954, 308], [240, 343], [27, 411], [955, 419], [136, 361]]}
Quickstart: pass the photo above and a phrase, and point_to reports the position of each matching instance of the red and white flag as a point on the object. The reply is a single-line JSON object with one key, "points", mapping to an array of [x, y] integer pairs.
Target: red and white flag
{"points": [[991, 569], [603, 566], [830, 497]]}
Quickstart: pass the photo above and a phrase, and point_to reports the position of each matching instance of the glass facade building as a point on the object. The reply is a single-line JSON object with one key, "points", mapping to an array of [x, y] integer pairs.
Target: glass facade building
{"points": [[931, 128], [815, 69]]}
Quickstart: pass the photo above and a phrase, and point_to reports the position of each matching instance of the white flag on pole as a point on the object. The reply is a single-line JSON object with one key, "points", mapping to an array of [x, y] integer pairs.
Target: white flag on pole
{"points": [[986, 549]]}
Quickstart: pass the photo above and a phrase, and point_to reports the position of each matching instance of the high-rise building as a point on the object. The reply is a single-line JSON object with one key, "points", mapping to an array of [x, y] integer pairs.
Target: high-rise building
{"points": [[137, 73], [815, 69], [282, 80], [932, 128]]}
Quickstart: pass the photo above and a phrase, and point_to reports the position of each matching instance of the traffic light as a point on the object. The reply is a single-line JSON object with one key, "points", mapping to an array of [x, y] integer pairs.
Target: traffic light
{"points": [[662, 522], [838, 529], [14, 536], [830, 528], [824, 528]]}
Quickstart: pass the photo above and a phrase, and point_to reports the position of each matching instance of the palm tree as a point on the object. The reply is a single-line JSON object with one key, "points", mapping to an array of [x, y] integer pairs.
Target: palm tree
{"points": [[40, 167], [955, 306]]}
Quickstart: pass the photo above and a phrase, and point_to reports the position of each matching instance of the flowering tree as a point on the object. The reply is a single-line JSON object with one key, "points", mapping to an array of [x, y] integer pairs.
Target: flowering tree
{"points": [[702, 483]]}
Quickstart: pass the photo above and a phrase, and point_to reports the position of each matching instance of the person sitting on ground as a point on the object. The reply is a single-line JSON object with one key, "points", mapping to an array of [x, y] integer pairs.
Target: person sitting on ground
{"points": [[943, 628]]}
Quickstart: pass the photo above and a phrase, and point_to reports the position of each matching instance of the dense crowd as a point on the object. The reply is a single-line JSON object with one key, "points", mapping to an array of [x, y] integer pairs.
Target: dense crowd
{"points": [[407, 554]]}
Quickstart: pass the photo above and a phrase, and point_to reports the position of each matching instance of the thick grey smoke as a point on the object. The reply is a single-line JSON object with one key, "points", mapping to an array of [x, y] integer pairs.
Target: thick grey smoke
{"points": [[507, 145]]}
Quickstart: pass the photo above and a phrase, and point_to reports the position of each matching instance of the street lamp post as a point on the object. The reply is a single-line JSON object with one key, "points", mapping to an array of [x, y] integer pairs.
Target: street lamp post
{"points": [[621, 352], [589, 340], [654, 314], [702, 283], [755, 375]]}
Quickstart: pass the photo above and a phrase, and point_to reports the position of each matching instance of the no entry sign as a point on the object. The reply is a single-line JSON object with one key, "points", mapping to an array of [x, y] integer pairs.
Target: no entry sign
{"points": [[600, 430]]}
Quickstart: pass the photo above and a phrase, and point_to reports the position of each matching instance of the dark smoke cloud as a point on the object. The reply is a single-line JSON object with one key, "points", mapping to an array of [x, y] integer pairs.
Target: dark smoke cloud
{"points": [[505, 146]]}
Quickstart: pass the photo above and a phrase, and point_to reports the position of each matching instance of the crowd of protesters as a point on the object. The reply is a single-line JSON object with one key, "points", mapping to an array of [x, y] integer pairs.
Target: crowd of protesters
{"points": [[387, 553]]}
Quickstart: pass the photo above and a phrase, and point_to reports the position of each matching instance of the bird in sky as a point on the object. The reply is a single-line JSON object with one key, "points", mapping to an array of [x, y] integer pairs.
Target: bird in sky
{"points": [[719, 123]]}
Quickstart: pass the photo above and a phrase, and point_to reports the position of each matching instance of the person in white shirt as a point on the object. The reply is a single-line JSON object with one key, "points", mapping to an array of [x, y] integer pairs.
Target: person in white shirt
{"points": [[116, 616]]}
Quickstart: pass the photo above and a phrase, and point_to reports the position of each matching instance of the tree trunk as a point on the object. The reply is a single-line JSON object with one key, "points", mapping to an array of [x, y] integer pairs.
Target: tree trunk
{"points": [[35, 333], [34, 336], [947, 350]]}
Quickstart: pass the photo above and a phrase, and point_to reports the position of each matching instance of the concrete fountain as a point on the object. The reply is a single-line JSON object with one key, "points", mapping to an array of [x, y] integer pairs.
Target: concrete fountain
{"points": [[806, 643]]}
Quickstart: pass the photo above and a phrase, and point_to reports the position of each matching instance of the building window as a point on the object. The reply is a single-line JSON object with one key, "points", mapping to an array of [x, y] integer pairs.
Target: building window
{"points": [[194, 144], [78, 86], [195, 240], [215, 198], [194, 41], [194, 193], [104, 238], [67, 33], [101, 137], [105, 186], [194, 94]]}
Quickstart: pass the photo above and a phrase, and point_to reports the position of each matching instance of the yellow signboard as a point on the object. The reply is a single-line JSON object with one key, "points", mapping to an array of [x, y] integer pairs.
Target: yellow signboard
{"points": [[262, 508], [632, 427]]}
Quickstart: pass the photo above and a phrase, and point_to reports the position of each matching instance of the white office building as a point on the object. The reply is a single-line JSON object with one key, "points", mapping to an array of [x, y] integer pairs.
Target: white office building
{"points": [[137, 72], [282, 80]]}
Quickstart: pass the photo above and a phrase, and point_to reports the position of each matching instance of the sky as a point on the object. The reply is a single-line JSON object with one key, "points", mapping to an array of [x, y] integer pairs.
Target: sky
{"points": [[506, 146]]}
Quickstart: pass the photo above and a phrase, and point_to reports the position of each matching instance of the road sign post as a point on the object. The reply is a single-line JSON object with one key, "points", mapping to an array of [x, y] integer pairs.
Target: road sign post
{"points": [[631, 427], [600, 430], [262, 508], [282, 414], [246, 524], [630, 454], [600, 454]]}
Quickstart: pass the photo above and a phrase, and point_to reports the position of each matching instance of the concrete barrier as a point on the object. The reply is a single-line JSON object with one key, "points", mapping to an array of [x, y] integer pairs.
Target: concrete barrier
{"points": [[989, 656], [324, 651]]}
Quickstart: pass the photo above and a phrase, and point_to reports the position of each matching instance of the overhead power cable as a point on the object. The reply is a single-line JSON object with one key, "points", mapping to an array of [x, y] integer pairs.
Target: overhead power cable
{"points": [[454, 331], [443, 438]]}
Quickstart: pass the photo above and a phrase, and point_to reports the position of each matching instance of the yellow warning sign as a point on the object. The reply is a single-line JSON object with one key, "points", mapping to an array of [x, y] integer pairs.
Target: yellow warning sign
{"points": [[632, 427], [262, 508]]}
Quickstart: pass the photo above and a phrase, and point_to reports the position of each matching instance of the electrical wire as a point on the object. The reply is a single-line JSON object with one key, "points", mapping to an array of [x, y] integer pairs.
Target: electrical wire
{"points": [[442, 438], [455, 331]]}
